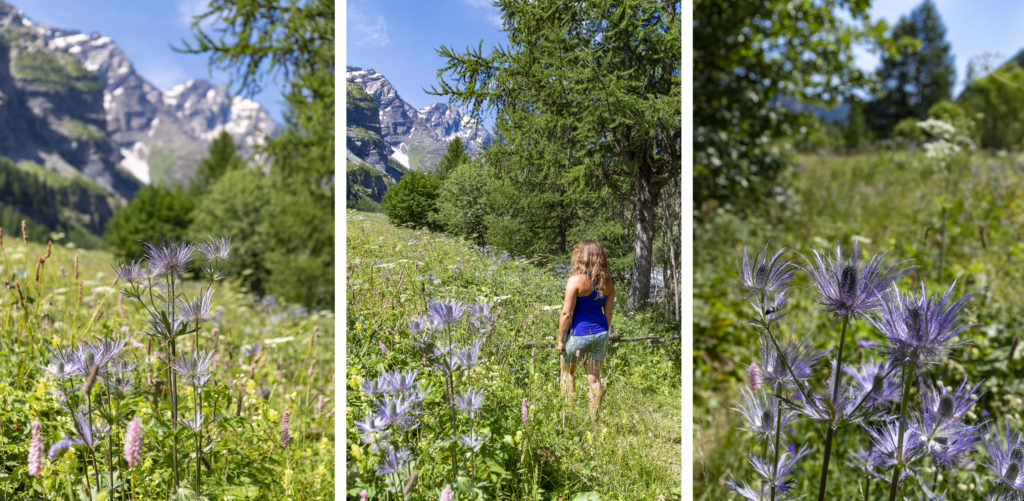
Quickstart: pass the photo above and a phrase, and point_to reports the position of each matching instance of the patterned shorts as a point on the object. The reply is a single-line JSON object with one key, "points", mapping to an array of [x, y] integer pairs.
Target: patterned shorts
{"points": [[593, 347]]}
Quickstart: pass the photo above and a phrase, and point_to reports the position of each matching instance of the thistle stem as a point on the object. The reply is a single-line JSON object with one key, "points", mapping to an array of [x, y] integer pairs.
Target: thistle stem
{"points": [[778, 431], [832, 426], [896, 470]]}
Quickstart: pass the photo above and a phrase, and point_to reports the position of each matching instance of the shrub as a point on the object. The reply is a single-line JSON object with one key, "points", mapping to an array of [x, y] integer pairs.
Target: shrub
{"points": [[413, 201]]}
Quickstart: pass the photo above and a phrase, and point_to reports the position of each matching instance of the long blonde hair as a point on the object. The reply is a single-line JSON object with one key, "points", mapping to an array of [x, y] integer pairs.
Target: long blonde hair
{"points": [[588, 259]]}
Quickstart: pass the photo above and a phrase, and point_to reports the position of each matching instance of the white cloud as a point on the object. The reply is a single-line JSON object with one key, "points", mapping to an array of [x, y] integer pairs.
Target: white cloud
{"points": [[492, 14], [367, 29], [188, 9]]}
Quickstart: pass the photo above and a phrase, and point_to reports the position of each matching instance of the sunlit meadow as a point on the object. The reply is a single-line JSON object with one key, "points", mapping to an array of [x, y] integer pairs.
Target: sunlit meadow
{"points": [[468, 406], [86, 408]]}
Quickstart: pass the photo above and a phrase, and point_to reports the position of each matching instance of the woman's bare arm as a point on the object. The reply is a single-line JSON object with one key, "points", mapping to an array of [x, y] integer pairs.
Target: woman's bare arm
{"points": [[609, 307], [568, 305]]}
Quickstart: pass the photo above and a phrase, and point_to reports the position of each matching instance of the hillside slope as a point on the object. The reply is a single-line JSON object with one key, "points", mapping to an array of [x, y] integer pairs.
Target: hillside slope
{"points": [[633, 452]]}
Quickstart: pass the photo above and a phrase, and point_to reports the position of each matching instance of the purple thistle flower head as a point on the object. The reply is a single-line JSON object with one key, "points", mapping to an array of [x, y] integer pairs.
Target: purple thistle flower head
{"points": [[470, 357], [1006, 455], [393, 460], [63, 362], [398, 410], [198, 309], [873, 382], [470, 401], [799, 353], [132, 272], [58, 447], [215, 249], [943, 409], [757, 492], [885, 445], [833, 410], [102, 352], [399, 382], [169, 258], [480, 314], [919, 328], [446, 312], [764, 275], [866, 461], [369, 426], [777, 475], [760, 413], [472, 441], [194, 367], [849, 288], [770, 309]]}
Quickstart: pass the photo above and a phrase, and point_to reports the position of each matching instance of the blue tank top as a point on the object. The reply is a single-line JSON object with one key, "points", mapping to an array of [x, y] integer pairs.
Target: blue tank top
{"points": [[588, 316]]}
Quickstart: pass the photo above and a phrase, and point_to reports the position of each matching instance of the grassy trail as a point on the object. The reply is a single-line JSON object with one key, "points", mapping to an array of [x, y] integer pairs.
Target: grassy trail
{"points": [[632, 453]]}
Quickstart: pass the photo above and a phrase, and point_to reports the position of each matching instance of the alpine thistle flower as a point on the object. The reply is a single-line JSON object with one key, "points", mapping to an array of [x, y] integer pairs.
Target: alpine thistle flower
{"points": [[798, 353], [764, 275], [760, 413], [447, 312], [848, 288], [285, 429], [133, 442], [1006, 455], [919, 328], [470, 401], [194, 367], [873, 382], [169, 258], [35, 452]]}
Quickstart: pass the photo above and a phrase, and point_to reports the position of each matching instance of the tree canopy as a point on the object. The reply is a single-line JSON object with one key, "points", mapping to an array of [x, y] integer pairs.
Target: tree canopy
{"points": [[593, 89]]}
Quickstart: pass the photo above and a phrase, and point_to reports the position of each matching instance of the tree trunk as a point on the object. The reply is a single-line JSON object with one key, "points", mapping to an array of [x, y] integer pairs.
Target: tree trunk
{"points": [[646, 195]]}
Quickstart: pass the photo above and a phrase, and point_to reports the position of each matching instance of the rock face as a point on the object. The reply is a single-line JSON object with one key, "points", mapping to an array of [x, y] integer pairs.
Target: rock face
{"points": [[416, 139], [73, 103]]}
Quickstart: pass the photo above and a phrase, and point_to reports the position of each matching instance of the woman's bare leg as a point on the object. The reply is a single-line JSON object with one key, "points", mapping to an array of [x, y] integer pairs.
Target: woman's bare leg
{"points": [[568, 382], [593, 368]]}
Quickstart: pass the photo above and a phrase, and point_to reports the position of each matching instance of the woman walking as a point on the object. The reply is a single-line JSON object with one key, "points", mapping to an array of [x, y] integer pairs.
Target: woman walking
{"points": [[586, 317]]}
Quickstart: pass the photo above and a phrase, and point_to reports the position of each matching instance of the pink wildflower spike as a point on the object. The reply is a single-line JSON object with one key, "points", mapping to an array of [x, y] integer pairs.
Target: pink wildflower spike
{"points": [[133, 442], [35, 452], [363, 495], [446, 494], [526, 410], [320, 404], [285, 429], [383, 349], [754, 376]]}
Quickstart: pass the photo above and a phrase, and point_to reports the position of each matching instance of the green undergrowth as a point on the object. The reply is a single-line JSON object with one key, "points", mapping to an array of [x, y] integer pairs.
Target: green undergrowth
{"points": [[633, 452]]}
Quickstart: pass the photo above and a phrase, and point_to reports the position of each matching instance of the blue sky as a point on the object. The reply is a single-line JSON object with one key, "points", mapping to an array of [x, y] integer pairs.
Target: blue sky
{"points": [[972, 28], [399, 38], [145, 31]]}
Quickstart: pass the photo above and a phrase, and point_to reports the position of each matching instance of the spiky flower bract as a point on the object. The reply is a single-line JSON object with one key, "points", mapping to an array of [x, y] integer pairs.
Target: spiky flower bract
{"points": [[777, 474], [833, 407], [760, 413], [470, 401], [847, 287], [885, 445], [876, 382], [1006, 457], [940, 421], [764, 275], [170, 258], [796, 352], [919, 328], [194, 367], [446, 313]]}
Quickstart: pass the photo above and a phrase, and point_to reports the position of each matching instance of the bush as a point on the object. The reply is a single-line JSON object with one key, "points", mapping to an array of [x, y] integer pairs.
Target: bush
{"points": [[155, 214], [907, 130], [235, 206], [413, 201], [461, 203]]}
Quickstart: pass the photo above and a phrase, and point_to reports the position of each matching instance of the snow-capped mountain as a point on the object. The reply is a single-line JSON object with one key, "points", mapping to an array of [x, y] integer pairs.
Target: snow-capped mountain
{"points": [[90, 112], [415, 138]]}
